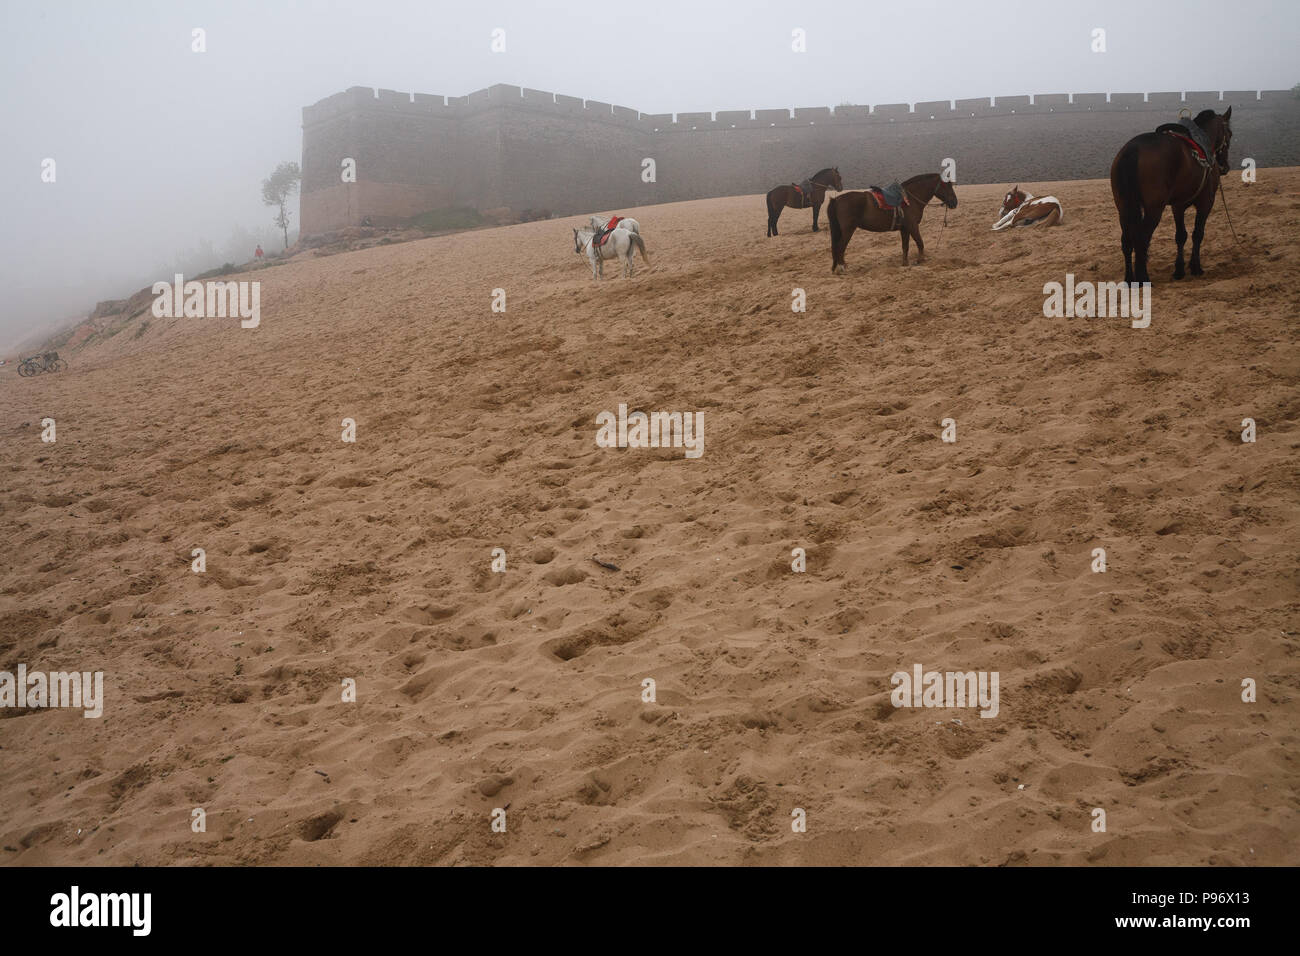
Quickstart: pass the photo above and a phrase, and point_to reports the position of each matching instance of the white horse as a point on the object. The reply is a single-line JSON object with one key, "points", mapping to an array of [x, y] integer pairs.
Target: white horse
{"points": [[619, 244], [601, 222]]}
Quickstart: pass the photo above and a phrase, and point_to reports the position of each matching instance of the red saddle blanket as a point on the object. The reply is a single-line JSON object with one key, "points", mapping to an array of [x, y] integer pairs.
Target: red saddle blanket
{"points": [[601, 236]]}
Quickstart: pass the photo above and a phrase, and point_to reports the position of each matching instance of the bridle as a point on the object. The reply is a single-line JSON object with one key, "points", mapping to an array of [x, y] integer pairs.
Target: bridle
{"points": [[946, 207], [933, 196], [1223, 148], [1024, 199], [1219, 147]]}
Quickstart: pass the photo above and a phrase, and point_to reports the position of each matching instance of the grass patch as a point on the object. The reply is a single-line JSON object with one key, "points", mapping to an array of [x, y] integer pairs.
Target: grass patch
{"points": [[440, 220], [226, 269]]}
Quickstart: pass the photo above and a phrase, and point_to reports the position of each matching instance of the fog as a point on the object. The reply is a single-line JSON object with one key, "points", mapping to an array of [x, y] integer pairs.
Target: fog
{"points": [[160, 151]]}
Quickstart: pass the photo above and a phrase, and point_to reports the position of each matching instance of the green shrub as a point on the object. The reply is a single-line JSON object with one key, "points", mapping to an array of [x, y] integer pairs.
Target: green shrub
{"points": [[226, 269], [440, 220]]}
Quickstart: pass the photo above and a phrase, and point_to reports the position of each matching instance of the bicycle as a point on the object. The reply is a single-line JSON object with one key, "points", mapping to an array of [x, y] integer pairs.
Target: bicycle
{"points": [[38, 364]]}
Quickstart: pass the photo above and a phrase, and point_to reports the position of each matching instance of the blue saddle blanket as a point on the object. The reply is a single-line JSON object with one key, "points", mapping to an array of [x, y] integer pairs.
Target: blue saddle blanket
{"points": [[891, 194]]}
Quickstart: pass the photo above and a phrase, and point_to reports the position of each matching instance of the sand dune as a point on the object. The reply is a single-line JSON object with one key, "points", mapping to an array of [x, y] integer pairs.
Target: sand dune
{"points": [[522, 690]]}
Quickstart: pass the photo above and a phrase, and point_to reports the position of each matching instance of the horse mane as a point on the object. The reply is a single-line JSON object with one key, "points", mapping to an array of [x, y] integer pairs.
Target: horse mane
{"points": [[820, 172]]}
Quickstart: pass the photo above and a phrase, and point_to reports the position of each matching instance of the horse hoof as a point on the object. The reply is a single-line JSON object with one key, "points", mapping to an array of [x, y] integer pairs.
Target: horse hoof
{"points": [[1197, 271], [1178, 274]]}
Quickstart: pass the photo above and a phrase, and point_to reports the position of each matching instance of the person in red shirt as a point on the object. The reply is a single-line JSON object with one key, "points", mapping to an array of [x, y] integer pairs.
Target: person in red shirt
{"points": [[258, 253]]}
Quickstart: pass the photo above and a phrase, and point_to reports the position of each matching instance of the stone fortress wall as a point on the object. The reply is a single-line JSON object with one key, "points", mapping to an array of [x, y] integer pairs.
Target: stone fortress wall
{"points": [[528, 149]]}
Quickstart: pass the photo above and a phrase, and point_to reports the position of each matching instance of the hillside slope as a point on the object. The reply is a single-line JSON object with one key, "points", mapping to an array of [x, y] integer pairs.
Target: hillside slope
{"points": [[522, 690]]}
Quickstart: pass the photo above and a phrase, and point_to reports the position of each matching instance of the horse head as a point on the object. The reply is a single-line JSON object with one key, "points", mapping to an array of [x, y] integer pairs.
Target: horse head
{"points": [[1219, 131], [835, 179], [945, 193], [1011, 200]]}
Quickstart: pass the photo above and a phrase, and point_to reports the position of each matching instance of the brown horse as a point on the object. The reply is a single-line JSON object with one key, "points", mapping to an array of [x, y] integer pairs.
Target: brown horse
{"points": [[1161, 169], [783, 196], [859, 210]]}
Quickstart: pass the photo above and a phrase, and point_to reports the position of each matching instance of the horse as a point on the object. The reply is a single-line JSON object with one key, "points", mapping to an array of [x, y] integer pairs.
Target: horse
{"points": [[602, 222], [860, 210], [797, 198], [619, 244], [1164, 168], [1020, 208]]}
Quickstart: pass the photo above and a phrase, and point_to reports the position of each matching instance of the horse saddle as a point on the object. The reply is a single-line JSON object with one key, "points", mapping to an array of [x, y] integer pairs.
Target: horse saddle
{"points": [[599, 238], [891, 197], [805, 192], [888, 197], [1192, 135]]}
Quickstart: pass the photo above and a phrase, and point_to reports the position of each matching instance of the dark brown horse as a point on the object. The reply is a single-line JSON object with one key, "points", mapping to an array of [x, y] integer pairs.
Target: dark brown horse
{"points": [[859, 210], [783, 196], [1158, 169]]}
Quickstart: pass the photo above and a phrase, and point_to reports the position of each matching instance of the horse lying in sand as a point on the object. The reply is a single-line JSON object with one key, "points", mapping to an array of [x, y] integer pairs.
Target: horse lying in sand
{"points": [[619, 244], [1020, 208], [602, 222]]}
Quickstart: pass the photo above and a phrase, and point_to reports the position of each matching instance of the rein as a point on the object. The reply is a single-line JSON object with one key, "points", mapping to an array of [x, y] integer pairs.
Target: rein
{"points": [[1225, 212], [944, 226], [1205, 172], [931, 203]]}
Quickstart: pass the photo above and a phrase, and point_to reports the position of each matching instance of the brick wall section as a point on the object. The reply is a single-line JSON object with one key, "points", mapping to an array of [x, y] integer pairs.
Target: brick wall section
{"points": [[523, 148]]}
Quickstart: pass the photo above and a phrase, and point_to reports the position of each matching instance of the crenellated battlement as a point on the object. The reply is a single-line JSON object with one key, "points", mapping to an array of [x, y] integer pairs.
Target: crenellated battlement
{"points": [[503, 95], [519, 147]]}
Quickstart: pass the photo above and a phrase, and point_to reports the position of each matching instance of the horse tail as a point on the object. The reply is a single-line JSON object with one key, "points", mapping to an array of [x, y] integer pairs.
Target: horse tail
{"points": [[640, 244], [834, 220], [1127, 188]]}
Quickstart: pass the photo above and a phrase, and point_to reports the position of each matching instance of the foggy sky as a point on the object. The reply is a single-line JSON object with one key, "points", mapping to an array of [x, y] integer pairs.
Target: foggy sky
{"points": [[158, 148]]}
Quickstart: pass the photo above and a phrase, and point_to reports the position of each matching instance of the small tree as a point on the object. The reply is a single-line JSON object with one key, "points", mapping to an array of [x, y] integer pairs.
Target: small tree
{"points": [[277, 190]]}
